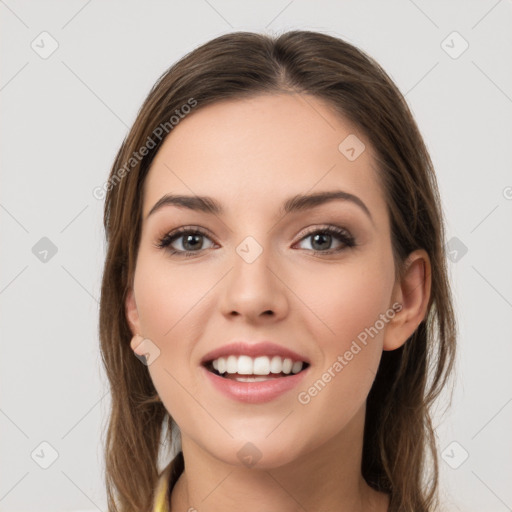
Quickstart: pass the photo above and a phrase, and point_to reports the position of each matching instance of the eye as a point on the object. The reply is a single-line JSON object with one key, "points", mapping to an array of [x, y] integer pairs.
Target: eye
{"points": [[191, 241], [323, 237]]}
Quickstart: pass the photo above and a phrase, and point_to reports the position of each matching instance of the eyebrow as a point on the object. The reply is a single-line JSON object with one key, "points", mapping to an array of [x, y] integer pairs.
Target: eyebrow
{"points": [[293, 204]]}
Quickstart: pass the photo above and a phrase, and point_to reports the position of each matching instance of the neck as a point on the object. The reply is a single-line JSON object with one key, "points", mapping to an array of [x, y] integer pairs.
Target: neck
{"points": [[326, 478]]}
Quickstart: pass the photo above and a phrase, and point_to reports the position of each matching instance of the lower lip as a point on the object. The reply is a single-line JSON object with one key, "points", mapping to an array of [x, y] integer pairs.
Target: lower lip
{"points": [[255, 392]]}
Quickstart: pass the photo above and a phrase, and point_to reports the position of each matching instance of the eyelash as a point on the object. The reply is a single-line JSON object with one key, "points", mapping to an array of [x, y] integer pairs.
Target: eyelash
{"points": [[342, 235]]}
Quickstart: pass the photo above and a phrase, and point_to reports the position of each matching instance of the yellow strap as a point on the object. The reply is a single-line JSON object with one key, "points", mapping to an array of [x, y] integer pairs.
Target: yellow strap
{"points": [[160, 504]]}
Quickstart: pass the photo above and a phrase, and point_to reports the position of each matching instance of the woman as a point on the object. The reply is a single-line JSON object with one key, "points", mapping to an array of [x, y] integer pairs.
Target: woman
{"points": [[275, 289]]}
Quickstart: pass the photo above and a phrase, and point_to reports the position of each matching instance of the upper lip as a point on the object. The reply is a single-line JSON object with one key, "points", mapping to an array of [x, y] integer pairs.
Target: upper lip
{"points": [[261, 348]]}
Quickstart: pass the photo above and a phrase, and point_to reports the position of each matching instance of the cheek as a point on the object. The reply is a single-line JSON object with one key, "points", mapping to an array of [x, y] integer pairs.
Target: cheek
{"points": [[349, 300], [346, 298], [165, 296], [172, 304]]}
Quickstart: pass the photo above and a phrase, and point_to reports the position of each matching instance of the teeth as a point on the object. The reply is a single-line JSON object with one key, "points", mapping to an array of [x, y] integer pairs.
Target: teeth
{"points": [[262, 365], [287, 365], [297, 367], [254, 379], [231, 364], [276, 364], [245, 365]]}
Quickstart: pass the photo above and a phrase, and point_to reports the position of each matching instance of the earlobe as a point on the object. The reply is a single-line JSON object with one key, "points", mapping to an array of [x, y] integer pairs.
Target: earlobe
{"points": [[137, 345], [413, 293], [132, 314]]}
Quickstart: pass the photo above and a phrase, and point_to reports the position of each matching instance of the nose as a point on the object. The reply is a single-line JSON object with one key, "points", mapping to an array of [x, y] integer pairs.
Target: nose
{"points": [[255, 290]]}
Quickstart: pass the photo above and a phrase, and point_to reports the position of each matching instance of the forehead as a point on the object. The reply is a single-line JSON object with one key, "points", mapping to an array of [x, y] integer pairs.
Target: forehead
{"points": [[253, 153]]}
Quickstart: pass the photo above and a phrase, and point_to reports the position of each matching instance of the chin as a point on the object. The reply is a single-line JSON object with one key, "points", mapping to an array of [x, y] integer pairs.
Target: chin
{"points": [[262, 454]]}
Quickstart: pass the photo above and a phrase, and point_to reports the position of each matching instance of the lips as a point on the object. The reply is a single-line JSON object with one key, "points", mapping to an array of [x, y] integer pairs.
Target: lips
{"points": [[256, 365], [251, 390]]}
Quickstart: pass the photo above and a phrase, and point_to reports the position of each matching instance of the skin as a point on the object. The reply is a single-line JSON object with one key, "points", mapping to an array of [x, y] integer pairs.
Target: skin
{"points": [[251, 155]]}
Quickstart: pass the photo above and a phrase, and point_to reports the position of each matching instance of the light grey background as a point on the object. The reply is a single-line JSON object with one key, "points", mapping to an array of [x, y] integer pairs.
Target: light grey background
{"points": [[63, 119]]}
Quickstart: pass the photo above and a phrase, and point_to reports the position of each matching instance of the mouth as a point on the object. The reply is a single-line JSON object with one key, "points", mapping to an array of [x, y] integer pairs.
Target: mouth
{"points": [[243, 368]]}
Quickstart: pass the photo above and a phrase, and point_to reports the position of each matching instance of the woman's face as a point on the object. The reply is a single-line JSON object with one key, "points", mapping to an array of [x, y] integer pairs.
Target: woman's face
{"points": [[257, 273]]}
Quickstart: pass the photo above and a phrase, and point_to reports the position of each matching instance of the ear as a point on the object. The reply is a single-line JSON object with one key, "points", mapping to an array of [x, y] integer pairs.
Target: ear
{"points": [[413, 293], [132, 314]]}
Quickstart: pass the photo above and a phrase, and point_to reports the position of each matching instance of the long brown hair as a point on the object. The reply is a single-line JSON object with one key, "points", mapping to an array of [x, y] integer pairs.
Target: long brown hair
{"points": [[399, 436]]}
